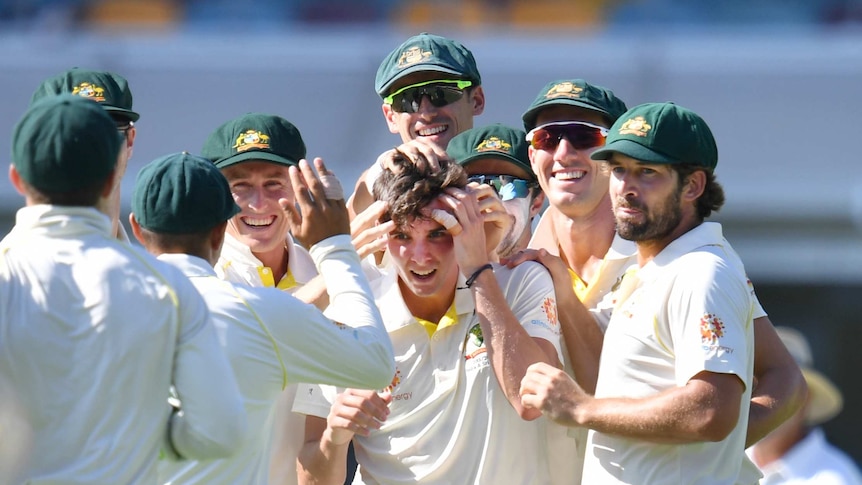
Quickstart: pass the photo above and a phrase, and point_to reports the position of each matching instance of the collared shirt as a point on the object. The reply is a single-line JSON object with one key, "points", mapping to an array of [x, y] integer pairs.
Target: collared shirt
{"points": [[93, 333], [812, 461], [272, 338], [690, 310], [238, 265], [449, 420]]}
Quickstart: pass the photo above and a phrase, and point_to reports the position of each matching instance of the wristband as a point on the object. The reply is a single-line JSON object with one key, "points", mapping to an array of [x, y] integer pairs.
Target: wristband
{"points": [[472, 278]]}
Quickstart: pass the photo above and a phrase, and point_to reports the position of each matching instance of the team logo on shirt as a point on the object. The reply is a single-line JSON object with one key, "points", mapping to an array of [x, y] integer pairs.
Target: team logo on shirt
{"points": [[494, 144], [475, 342], [635, 126], [396, 379], [411, 56], [251, 139], [89, 90], [711, 329], [549, 306], [564, 90]]}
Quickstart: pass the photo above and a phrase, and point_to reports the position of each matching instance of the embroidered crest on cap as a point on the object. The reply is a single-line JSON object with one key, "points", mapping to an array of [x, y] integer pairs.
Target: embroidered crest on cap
{"points": [[494, 144], [89, 90], [635, 126], [412, 55], [711, 328], [564, 90], [251, 139]]}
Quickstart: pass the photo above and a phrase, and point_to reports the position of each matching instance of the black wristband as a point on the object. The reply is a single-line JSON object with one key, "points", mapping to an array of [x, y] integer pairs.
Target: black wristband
{"points": [[472, 278]]}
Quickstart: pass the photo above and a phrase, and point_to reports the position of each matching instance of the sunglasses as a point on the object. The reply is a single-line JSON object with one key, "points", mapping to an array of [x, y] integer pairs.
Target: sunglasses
{"points": [[580, 134], [124, 128], [506, 186], [440, 93]]}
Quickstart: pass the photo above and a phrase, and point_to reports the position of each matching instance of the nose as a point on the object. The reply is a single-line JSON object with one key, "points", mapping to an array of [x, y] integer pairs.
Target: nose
{"points": [[256, 198], [425, 105], [420, 252], [565, 150]]}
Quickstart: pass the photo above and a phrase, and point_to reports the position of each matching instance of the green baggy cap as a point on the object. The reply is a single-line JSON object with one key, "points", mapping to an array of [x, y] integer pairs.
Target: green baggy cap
{"points": [[181, 193], [426, 52], [110, 90], [255, 136], [492, 141], [65, 142], [661, 133], [574, 92]]}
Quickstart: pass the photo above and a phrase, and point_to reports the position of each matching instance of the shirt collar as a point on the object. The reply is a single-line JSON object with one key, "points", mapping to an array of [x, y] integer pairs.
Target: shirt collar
{"points": [[191, 266], [395, 312], [705, 234], [60, 220]]}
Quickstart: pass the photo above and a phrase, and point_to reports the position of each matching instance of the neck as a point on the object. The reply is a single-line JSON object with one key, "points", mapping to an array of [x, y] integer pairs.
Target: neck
{"points": [[584, 241], [430, 308], [277, 260]]}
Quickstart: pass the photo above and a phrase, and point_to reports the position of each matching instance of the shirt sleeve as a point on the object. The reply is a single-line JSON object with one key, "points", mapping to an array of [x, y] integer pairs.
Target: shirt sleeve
{"points": [[713, 307], [211, 421], [314, 400], [530, 292], [347, 345]]}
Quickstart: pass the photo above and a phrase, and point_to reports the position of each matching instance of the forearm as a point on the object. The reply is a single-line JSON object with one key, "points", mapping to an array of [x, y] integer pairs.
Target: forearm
{"points": [[692, 413], [321, 462], [314, 292], [583, 340], [780, 388], [510, 349]]}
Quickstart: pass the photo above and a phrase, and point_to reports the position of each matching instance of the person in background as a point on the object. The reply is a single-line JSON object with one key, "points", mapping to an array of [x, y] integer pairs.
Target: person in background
{"points": [[797, 453], [112, 92], [496, 155]]}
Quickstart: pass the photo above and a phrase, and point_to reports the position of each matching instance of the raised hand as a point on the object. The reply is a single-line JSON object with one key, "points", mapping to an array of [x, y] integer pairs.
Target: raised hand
{"points": [[497, 220], [368, 236], [322, 212]]}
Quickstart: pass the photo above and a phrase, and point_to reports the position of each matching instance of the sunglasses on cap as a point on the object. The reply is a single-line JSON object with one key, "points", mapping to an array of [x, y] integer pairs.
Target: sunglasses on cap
{"points": [[580, 134], [440, 93], [506, 186]]}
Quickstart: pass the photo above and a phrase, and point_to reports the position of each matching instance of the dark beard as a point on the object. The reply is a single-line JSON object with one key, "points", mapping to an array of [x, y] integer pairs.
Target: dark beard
{"points": [[658, 224]]}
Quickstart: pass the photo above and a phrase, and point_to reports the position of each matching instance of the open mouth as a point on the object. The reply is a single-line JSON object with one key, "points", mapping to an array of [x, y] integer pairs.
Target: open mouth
{"points": [[258, 221], [434, 130], [572, 174], [423, 275]]}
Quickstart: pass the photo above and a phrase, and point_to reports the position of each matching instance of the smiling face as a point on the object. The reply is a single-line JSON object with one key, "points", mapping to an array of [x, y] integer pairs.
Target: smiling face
{"points": [[423, 253], [257, 187], [437, 125], [573, 183]]}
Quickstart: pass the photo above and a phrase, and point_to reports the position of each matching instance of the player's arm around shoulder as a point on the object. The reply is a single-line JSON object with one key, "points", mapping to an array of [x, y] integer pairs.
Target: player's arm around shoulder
{"points": [[211, 422], [517, 313]]}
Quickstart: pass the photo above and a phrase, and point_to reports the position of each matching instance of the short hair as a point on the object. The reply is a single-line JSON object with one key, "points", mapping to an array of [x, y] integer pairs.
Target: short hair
{"points": [[190, 243], [713, 194], [409, 189], [85, 196]]}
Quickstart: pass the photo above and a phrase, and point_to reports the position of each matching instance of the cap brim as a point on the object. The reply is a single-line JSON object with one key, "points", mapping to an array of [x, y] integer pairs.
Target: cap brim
{"points": [[631, 149], [498, 155], [825, 400], [418, 68], [125, 113], [254, 155], [529, 118]]}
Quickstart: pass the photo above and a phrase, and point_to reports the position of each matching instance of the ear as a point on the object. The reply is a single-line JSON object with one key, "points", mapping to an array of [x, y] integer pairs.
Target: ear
{"points": [[130, 139], [15, 178], [694, 186], [136, 229], [536, 205], [477, 98], [391, 118]]}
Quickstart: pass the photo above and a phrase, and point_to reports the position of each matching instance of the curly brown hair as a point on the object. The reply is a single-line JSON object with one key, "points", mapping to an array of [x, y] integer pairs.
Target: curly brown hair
{"points": [[713, 193], [410, 188]]}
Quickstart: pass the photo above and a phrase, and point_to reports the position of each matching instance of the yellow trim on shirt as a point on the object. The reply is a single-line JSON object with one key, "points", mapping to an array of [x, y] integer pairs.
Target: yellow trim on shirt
{"points": [[578, 285], [286, 283], [447, 320]]}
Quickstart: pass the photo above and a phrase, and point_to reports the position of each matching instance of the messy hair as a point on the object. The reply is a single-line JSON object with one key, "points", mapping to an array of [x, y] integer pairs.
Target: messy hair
{"points": [[410, 188], [713, 194]]}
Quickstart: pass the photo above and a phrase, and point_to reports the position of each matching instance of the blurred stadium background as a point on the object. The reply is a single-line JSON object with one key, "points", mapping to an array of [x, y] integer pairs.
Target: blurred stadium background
{"points": [[778, 81]]}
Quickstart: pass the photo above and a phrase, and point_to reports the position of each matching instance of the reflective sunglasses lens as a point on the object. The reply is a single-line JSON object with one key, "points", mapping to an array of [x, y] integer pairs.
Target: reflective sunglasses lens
{"points": [[507, 187], [580, 136], [410, 99]]}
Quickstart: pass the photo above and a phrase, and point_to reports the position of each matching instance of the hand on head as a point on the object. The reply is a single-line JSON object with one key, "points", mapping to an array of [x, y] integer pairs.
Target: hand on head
{"points": [[368, 236]]}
